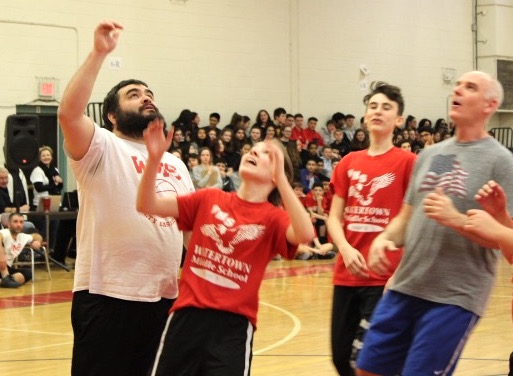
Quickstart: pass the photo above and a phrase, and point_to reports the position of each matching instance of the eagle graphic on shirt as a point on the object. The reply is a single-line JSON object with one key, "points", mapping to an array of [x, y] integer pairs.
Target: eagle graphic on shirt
{"points": [[364, 191], [226, 238]]}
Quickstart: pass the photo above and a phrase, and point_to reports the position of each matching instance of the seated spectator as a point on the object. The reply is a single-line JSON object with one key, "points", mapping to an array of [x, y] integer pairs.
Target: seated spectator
{"points": [[239, 137], [310, 133], [184, 122], [327, 157], [179, 142], [235, 122], [12, 242], [8, 195], [192, 161], [340, 120], [328, 132], [426, 134], [320, 170], [312, 151], [270, 132], [360, 140], [297, 129], [176, 152], [213, 120], [206, 174], [200, 138], [307, 175], [350, 128], [45, 177], [441, 125], [227, 181], [342, 143], [255, 134], [415, 141], [405, 145], [317, 206], [424, 123], [263, 119], [309, 251]]}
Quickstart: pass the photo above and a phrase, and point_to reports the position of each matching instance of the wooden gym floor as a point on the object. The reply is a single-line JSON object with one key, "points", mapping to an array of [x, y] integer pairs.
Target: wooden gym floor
{"points": [[293, 330]]}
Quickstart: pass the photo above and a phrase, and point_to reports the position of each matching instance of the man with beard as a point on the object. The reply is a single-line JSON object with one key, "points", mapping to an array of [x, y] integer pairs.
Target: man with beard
{"points": [[12, 242], [127, 263]]}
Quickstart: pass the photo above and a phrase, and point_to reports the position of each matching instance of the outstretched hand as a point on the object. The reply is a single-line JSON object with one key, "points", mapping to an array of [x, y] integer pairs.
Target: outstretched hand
{"points": [[106, 36], [156, 142], [492, 198], [481, 224]]}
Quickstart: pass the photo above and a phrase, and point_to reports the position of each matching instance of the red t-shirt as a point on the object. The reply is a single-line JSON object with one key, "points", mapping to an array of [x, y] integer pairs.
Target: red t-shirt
{"points": [[311, 135], [373, 189], [297, 134], [231, 244], [311, 202]]}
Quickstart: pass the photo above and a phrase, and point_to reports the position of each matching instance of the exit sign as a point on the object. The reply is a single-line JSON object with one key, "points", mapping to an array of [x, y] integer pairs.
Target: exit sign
{"points": [[47, 87]]}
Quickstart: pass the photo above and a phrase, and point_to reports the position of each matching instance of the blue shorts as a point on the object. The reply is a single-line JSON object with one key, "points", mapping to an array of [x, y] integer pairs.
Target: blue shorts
{"points": [[412, 336]]}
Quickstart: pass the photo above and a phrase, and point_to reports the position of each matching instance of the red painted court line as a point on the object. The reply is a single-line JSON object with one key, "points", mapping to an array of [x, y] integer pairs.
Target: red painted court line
{"points": [[37, 299], [65, 296], [298, 271]]}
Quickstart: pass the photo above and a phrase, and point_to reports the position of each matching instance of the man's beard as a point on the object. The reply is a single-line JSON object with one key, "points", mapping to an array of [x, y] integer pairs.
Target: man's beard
{"points": [[132, 124]]}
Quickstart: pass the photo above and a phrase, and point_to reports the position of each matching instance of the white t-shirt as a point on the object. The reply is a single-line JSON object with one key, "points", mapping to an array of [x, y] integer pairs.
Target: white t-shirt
{"points": [[13, 247], [120, 252], [38, 176]]}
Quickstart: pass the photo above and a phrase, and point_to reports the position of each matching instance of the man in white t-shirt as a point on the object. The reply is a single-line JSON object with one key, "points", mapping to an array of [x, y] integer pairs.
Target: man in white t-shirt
{"points": [[126, 271], [12, 242]]}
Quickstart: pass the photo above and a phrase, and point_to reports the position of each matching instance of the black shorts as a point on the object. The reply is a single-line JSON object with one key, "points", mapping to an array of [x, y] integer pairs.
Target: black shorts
{"points": [[115, 336], [26, 273], [205, 342]]}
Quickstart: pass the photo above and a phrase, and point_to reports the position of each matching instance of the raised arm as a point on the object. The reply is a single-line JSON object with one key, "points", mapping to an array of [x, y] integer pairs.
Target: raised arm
{"points": [[77, 128], [300, 229], [147, 200]]}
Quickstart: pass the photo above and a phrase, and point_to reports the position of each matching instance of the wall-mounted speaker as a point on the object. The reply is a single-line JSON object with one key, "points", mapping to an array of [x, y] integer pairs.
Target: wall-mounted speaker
{"points": [[21, 145]]}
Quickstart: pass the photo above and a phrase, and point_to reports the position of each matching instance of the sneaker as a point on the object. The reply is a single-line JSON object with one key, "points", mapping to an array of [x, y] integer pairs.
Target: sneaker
{"points": [[328, 255], [303, 256], [10, 282]]}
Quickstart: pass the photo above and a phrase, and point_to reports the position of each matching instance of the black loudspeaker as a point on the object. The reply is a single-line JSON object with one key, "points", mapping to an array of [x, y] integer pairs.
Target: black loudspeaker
{"points": [[21, 143]]}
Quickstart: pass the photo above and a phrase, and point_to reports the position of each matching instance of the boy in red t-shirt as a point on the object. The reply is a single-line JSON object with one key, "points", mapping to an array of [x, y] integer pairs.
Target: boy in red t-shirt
{"points": [[234, 235], [369, 186]]}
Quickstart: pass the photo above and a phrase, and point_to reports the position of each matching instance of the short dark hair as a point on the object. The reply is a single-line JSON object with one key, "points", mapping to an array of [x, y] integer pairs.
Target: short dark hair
{"points": [[15, 214], [279, 111], [426, 129], [312, 118], [349, 116], [338, 116], [298, 116], [391, 92], [111, 100], [215, 115]]}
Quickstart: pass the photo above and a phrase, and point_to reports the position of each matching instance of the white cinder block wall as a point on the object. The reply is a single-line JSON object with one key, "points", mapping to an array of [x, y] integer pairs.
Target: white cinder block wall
{"points": [[243, 55]]}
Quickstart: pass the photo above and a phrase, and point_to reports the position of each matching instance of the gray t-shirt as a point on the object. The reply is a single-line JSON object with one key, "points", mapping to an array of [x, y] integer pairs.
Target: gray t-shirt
{"points": [[439, 264]]}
